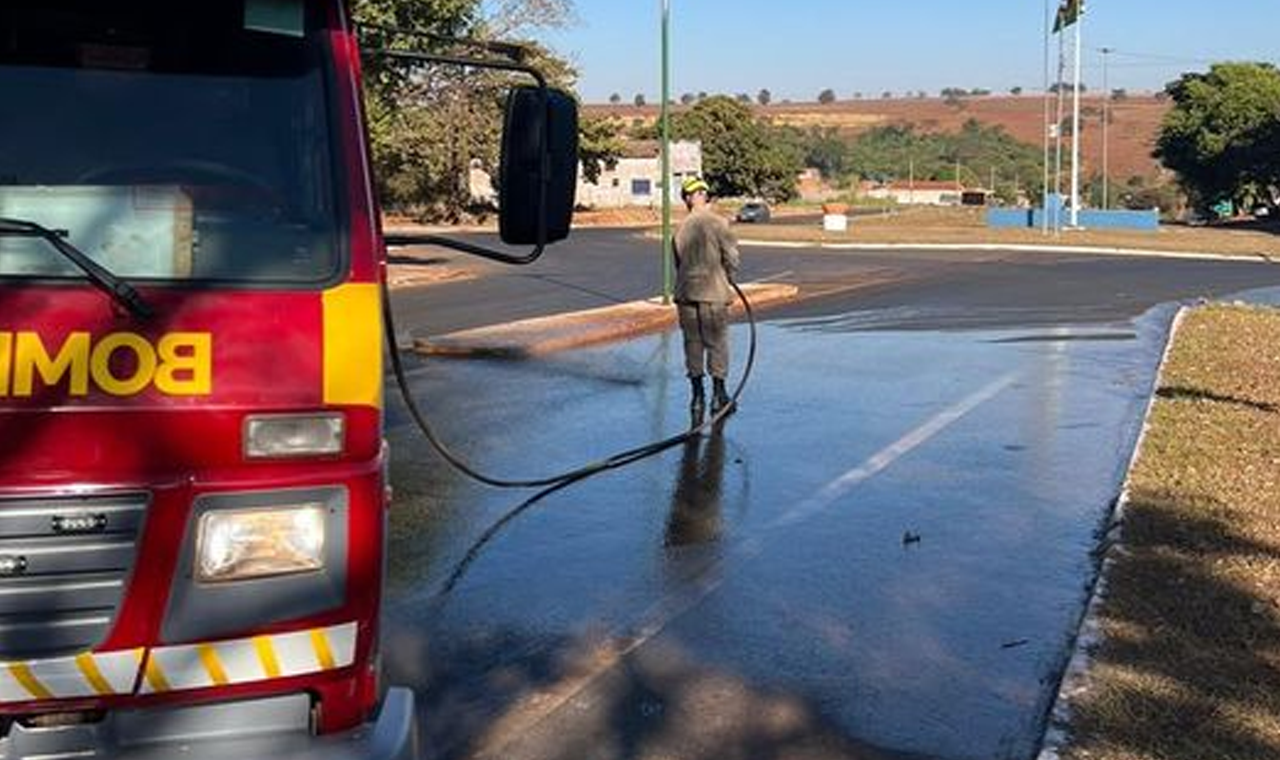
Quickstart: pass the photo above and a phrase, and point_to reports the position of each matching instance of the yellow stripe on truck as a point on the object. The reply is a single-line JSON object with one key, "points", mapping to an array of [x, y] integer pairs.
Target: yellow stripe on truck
{"points": [[89, 669], [267, 656], [91, 674], [23, 675], [259, 658], [353, 345]]}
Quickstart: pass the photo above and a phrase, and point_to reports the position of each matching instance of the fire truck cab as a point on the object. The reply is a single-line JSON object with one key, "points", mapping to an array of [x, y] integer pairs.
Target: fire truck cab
{"points": [[193, 489]]}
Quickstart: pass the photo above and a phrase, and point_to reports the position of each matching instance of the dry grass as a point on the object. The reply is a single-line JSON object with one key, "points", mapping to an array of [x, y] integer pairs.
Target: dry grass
{"points": [[967, 225], [1190, 664]]}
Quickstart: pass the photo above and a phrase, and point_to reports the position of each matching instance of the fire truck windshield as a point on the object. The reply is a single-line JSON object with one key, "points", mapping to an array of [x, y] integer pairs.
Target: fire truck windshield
{"points": [[169, 141]]}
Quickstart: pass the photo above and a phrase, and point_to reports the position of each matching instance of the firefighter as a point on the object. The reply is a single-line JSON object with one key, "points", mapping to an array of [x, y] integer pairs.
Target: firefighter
{"points": [[706, 256]]}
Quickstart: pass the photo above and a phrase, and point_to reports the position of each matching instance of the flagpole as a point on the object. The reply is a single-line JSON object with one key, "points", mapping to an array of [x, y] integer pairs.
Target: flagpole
{"points": [[1075, 129], [1044, 195], [1057, 133]]}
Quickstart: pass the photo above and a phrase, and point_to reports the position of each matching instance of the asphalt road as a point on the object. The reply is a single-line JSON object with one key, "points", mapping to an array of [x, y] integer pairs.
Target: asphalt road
{"points": [[921, 289], [883, 555]]}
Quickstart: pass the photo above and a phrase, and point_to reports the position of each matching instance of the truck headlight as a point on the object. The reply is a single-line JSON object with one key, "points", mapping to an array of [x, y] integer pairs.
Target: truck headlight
{"points": [[282, 436], [238, 544]]}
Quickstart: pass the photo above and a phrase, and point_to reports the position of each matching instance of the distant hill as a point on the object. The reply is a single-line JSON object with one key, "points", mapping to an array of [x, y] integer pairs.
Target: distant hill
{"points": [[1135, 121]]}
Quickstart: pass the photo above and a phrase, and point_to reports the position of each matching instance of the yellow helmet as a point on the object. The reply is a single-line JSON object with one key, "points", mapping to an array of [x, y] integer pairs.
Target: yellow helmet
{"points": [[694, 185]]}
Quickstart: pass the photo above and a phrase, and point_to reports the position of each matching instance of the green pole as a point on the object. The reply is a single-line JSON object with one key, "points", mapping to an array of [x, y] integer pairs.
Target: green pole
{"points": [[666, 156]]}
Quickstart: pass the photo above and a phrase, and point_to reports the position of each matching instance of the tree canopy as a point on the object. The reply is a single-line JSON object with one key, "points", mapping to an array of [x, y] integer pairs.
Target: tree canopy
{"points": [[740, 153], [1222, 135], [428, 124]]}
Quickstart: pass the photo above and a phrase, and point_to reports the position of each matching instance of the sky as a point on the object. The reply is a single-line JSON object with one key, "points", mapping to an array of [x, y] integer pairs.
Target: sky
{"points": [[797, 48]]}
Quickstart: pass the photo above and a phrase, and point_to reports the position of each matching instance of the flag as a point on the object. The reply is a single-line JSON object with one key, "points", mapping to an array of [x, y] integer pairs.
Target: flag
{"points": [[1069, 12]]}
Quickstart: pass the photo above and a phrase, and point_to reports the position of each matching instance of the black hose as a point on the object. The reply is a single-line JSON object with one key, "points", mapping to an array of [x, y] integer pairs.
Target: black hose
{"points": [[621, 459]]}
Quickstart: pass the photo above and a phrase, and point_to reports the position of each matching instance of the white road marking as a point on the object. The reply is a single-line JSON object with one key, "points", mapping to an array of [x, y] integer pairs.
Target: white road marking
{"points": [[671, 607], [838, 488]]}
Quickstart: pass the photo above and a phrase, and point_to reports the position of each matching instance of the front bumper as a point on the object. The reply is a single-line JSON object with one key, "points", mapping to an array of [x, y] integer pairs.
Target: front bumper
{"points": [[265, 729]]}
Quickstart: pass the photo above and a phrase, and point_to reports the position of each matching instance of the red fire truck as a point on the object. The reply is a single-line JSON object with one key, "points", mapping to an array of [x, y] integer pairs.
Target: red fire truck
{"points": [[193, 490]]}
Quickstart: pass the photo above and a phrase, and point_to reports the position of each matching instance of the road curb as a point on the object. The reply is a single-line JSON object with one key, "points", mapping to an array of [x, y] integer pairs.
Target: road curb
{"points": [[560, 332], [1075, 679], [1012, 247]]}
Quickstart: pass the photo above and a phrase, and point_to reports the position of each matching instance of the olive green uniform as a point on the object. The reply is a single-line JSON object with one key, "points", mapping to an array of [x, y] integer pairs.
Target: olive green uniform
{"points": [[706, 260]]}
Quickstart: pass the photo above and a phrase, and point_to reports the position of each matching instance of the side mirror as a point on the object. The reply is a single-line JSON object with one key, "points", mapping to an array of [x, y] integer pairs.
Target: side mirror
{"points": [[538, 172]]}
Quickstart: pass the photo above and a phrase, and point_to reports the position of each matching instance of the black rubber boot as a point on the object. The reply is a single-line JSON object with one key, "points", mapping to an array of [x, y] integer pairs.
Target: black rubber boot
{"points": [[697, 401], [720, 397]]}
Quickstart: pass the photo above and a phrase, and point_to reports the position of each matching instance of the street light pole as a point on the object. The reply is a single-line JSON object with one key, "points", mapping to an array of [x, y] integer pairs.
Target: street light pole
{"points": [[1106, 125], [666, 155]]}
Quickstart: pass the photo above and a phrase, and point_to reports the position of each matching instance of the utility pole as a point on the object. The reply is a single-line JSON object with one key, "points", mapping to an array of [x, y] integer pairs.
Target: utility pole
{"points": [[911, 181], [1106, 125], [666, 155]]}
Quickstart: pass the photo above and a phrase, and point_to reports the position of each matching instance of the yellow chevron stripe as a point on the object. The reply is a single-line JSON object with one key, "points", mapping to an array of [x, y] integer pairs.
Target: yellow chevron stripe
{"points": [[320, 643], [212, 665], [267, 656], [23, 675], [155, 676], [89, 669]]}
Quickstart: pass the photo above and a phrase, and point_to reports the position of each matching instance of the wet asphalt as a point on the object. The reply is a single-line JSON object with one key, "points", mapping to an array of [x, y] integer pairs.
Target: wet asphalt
{"points": [[884, 554]]}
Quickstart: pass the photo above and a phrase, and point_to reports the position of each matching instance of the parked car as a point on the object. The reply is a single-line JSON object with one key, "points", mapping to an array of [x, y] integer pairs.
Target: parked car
{"points": [[754, 211]]}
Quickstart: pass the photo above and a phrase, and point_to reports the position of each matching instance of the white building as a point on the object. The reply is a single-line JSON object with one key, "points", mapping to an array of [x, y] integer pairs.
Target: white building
{"points": [[636, 180], [919, 193]]}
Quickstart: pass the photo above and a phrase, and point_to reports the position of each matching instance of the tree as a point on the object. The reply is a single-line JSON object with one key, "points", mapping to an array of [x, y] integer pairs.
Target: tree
{"points": [[599, 146], [827, 97], [1220, 136], [639, 100], [886, 95], [764, 97], [687, 99], [741, 155], [1015, 91], [899, 151], [615, 99], [744, 98], [427, 124]]}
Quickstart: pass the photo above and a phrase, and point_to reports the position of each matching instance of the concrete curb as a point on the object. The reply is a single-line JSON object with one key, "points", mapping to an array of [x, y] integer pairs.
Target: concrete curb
{"points": [[1075, 679], [560, 332], [1012, 247]]}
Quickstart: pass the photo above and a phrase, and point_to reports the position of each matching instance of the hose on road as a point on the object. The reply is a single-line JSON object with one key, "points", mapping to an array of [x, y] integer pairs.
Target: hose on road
{"points": [[616, 461]]}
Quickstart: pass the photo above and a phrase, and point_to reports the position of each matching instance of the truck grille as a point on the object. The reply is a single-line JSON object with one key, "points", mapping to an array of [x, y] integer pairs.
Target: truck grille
{"points": [[63, 567]]}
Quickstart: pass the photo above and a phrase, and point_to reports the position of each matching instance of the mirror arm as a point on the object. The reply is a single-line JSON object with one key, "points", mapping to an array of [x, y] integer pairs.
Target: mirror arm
{"points": [[461, 60], [544, 169], [469, 248]]}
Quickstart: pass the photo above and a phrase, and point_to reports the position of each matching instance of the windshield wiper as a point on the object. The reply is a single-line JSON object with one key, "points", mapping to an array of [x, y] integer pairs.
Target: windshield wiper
{"points": [[122, 292]]}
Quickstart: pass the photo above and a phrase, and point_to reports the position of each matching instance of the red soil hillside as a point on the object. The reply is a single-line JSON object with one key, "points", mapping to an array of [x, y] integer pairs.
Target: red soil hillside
{"points": [[1134, 123]]}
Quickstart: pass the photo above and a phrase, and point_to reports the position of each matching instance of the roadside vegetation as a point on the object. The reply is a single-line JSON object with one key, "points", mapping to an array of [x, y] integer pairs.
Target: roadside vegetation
{"points": [[1189, 667], [1222, 137], [429, 125]]}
